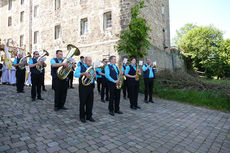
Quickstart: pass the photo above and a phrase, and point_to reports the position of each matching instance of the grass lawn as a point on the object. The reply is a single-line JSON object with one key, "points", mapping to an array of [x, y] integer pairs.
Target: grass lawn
{"points": [[208, 99], [217, 81]]}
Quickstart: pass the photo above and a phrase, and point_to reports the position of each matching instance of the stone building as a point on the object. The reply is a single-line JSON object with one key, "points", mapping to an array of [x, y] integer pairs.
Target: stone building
{"points": [[91, 25]]}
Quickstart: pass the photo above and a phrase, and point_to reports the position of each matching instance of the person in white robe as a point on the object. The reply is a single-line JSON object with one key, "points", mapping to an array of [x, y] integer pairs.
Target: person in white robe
{"points": [[12, 76], [5, 74]]}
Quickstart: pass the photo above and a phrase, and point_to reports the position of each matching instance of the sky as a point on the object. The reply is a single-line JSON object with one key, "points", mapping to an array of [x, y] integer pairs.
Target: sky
{"points": [[201, 13]]}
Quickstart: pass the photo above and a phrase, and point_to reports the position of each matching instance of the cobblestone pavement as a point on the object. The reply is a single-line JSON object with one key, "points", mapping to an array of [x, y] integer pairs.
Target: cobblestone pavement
{"points": [[164, 126]]}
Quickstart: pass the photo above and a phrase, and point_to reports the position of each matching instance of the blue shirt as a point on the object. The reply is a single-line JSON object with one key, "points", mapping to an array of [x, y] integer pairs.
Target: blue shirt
{"points": [[78, 72], [99, 70], [31, 62], [53, 62], [123, 68], [107, 73], [128, 69], [79, 63], [15, 61], [151, 74]]}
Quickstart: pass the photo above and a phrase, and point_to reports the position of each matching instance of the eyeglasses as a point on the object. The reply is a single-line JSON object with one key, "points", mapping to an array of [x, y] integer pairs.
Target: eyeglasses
{"points": [[36, 54]]}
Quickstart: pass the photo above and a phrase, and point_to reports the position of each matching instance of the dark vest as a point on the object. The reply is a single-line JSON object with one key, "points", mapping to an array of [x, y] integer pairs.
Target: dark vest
{"points": [[83, 69], [17, 68], [54, 70], [33, 70], [132, 71], [113, 73], [146, 73]]}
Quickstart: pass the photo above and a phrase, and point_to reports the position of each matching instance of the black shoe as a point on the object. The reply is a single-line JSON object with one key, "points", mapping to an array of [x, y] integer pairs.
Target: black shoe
{"points": [[82, 120], [151, 101], [133, 107], [90, 119], [102, 100], [33, 99], [138, 107], [40, 98], [72, 87], [44, 90], [64, 108], [118, 112], [111, 113], [22, 91], [146, 101], [56, 109]]}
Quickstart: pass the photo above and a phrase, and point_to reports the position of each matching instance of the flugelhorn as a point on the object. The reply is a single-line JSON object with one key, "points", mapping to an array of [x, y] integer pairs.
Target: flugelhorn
{"points": [[23, 61], [40, 67]]}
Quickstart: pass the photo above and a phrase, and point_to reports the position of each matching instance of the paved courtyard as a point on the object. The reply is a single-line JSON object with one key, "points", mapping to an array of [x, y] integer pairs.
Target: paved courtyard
{"points": [[165, 126]]}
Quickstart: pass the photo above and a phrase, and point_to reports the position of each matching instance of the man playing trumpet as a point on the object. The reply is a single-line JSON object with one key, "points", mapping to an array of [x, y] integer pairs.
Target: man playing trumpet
{"points": [[86, 94], [149, 76], [112, 74]]}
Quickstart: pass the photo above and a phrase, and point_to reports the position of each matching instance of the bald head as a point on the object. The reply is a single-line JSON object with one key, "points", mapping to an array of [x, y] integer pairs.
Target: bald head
{"points": [[88, 61]]}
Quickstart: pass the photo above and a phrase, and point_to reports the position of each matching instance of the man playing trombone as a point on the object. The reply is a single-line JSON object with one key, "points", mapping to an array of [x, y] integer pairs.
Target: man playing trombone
{"points": [[86, 94], [112, 74]]}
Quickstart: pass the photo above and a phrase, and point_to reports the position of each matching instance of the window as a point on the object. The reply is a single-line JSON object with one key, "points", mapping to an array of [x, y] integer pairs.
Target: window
{"points": [[36, 34], [10, 5], [57, 32], [21, 40], [22, 2], [35, 11], [57, 4], [22, 16], [107, 20], [84, 26], [9, 21]]}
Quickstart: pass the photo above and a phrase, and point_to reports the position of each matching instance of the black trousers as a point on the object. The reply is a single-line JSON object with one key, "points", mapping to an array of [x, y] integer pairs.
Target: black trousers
{"points": [[99, 83], [148, 88], [20, 80], [133, 92], [114, 101], [105, 88], [125, 88], [43, 81], [86, 101], [36, 80], [60, 92], [70, 79]]}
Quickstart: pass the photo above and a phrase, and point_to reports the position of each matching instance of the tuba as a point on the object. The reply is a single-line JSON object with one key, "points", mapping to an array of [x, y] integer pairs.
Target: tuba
{"points": [[86, 81], [23, 61], [62, 71], [40, 67]]}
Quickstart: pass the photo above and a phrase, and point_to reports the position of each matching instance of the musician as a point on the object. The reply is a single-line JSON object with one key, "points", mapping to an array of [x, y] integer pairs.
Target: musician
{"points": [[125, 83], [43, 80], [60, 86], [105, 86], [86, 94], [99, 78], [70, 76], [133, 85], [81, 62], [149, 76], [36, 76], [112, 74], [20, 74]]}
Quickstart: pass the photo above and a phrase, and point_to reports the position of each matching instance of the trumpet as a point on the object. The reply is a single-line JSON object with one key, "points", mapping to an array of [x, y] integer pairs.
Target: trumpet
{"points": [[85, 80], [23, 61], [40, 67]]}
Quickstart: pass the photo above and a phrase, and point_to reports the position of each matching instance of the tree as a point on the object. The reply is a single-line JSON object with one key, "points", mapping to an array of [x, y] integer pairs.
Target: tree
{"points": [[183, 31], [134, 41]]}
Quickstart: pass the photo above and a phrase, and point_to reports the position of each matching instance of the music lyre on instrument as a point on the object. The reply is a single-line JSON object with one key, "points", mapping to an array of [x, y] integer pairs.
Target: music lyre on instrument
{"points": [[62, 71]]}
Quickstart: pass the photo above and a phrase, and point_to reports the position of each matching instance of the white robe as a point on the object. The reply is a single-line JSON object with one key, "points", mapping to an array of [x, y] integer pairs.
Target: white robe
{"points": [[5, 74], [12, 75], [28, 80]]}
